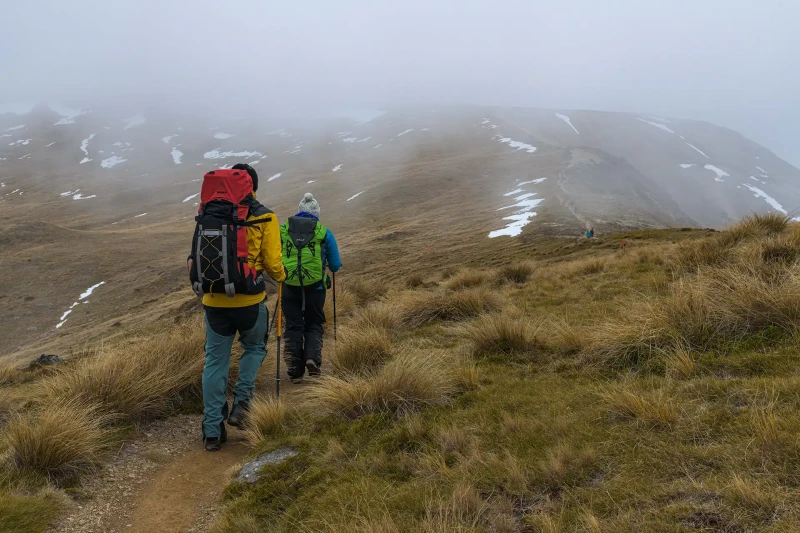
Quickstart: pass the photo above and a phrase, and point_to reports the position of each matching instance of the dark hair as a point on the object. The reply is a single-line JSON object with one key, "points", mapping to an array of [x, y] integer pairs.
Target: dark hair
{"points": [[250, 170]]}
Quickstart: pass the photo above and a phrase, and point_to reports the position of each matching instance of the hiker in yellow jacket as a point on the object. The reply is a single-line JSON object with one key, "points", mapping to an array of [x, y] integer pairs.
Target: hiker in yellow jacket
{"points": [[240, 306]]}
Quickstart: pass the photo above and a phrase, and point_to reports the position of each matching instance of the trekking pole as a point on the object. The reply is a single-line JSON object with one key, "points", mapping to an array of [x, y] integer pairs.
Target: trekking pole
{"points": [[334, 305], [278, 339]]}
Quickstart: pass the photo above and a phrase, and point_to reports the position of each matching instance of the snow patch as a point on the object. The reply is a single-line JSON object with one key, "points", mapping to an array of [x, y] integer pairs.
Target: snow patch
{"points": [[687, 165], [216, 154], [758, 193], [68, 114], [80, 196], [88, 292], [223, 136], [516, 144], [719, 172], [26, 156], [762, 170], [534, 182], [137, 216], [112, 161], [85, 146], [14, 128], [21, 142], [356, 195], [132, 122], [276, 176], [168, 138], [377, 145], [349, 140], [403, 133], [512, 193], [337, 168], [698, 150], [310, 182], [190, 197], [566, 119], [49, 145], [176, 156], [657, 125]]}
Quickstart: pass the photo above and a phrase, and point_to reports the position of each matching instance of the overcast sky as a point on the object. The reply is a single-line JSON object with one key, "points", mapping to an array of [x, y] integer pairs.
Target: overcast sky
{"points": [[733, 62]]}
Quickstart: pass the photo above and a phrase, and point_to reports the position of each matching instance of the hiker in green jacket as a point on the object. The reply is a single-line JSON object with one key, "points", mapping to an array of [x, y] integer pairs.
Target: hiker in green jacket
{"points": [[308, 249]]}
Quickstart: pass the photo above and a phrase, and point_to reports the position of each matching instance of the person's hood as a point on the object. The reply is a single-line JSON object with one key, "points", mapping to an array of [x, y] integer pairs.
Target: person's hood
{"points": [[303, 214]]}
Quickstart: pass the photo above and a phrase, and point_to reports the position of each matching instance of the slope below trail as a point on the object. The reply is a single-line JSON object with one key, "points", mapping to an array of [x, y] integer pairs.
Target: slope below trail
{"points": [[161, 481]]}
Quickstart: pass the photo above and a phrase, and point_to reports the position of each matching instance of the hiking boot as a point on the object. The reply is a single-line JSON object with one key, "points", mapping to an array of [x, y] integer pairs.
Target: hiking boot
{"points": [[296, 381], [313, 368], [238, 414], [213, 444]]}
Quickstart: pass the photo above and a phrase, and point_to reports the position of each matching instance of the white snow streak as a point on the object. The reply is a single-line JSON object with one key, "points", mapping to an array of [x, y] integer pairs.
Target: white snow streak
{"points": [[403, 133], [190, 197], [138, 120], [769, 199], [516, 144], [522, 216], [687, 165], [534, 182], [512, 193], [762, 170], [176, 156], [21, 142], [85, 146], [168, 138], [718, 171], [337, 168], [80, 196], [657, 125], [49, 145], [216, 154], [276, 176], [356, 195], [112, 161], [14, 128], [698, 150], [68, 114], [137, 216], [566, 119], [223, 136], [88, 292]]}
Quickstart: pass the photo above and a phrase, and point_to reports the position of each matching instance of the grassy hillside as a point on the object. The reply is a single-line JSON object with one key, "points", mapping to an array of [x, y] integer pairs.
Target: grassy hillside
{"points": [[572, 385]]}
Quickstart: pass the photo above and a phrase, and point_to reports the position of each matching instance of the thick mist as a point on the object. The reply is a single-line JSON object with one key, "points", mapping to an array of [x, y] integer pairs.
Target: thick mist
{"points": [[728, 61]]}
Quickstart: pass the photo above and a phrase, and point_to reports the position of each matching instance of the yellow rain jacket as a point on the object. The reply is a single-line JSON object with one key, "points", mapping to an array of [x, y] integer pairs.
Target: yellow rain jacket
{"points": [[264, 254]]}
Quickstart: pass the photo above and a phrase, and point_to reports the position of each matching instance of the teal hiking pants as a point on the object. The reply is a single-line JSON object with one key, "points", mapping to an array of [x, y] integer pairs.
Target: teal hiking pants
{"points": [[222, 324]]}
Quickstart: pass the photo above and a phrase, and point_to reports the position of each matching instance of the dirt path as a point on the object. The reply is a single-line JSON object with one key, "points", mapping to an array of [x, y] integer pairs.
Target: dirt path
{"points": [[162, 481]]}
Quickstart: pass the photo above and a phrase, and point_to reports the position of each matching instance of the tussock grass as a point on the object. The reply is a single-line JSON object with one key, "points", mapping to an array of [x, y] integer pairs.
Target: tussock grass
{"points": [[133, 381], [59, 441], [588, 266], [414, 281], [468, 279], [499, 334], [655, 409], [680, 364], [566, 465], [517, 272], [379, 315], [410, 381], [422, 308], [772, 223], [347, 302], [361, 350], [265, 419], [747, 493], [8, 374], [565, 337]]}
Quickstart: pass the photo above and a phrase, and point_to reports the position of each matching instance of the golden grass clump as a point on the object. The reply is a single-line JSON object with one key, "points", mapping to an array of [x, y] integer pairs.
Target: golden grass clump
{"points": [[414, 281], [60, 440], [681, 364], [468, 279], [655, 409], [133, 381], [346, 302], [381, 315], [566, 464], [517, 272], [768, 224], [499, 334], [265, 418], [410, 381], [749, 494], [361, 350], [427, 307]]}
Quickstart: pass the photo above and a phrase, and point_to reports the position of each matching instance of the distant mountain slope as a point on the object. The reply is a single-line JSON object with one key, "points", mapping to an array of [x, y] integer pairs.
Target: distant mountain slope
{"points": [[91, 196]]}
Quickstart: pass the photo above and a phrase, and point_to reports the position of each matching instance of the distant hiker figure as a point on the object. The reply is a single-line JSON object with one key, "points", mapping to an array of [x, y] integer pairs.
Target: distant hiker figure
{"points": [[236, 244], [590, 233], [308, 249]]}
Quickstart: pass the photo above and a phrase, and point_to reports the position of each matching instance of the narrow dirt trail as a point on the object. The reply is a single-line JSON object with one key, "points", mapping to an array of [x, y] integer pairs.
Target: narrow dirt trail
{"points": [[163, 480]]}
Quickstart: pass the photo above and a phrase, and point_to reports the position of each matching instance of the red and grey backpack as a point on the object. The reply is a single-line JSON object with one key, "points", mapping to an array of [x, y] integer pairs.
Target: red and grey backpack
{"points": [[218, 264]]}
